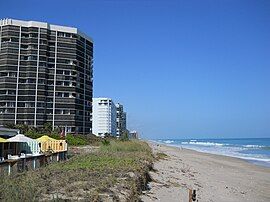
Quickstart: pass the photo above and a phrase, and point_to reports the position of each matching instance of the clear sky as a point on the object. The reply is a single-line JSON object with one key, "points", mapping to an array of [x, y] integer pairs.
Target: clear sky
{"points": [[182, 69]]}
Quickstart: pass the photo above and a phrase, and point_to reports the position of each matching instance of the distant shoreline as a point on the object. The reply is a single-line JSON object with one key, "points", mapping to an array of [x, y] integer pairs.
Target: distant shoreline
{"points": [[249, 160]]}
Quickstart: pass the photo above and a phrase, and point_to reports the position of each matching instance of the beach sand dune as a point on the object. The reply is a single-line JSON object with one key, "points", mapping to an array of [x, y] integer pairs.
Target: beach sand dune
{"points": [[214, 177]]}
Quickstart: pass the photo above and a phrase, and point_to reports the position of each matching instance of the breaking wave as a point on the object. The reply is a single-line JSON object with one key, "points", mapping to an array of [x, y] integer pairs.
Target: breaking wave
{"points": [[204, 143], [253, 146], [168, 141]]}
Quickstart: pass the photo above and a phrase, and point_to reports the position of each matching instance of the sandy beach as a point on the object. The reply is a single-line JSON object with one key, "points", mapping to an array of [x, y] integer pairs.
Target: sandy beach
{"points": [[214, 177]]}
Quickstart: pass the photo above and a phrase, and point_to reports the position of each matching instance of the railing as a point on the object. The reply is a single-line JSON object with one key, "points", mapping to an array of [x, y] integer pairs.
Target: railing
{"points": [[27, 162]]}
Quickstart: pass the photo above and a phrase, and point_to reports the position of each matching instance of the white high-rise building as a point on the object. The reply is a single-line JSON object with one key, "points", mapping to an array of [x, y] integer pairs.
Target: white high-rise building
{"points": [[104, 117]]}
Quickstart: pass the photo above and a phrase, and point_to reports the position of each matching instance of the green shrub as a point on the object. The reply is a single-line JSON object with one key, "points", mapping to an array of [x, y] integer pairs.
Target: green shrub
{"points": [[161, 156], [124, 137], [105, 142], [76, 140]]}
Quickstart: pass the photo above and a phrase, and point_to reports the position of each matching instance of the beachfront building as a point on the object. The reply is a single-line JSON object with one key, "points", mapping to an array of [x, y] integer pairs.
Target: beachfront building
{"points": [[104, 117], [45, 75], [133, 135], [120, 119]]}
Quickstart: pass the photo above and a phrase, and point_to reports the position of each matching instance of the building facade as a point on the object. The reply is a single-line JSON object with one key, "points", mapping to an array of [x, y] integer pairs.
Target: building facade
{"points": [[45, 75], [120, 119], [133, 135], [104, 117]]}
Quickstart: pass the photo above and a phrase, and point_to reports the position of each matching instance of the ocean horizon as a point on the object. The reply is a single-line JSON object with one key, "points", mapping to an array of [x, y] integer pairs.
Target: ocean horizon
{"points": [[254, 150]]}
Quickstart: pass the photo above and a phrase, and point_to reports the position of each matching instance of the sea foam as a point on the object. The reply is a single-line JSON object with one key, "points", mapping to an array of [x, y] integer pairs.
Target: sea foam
{"points": [[204, 143], [168, 141]]}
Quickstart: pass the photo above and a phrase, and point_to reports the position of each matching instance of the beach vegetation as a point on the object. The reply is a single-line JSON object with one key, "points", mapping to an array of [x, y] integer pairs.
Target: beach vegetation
{"points": [[121, 166], [161, 156], [124, 136], [105, 142]]}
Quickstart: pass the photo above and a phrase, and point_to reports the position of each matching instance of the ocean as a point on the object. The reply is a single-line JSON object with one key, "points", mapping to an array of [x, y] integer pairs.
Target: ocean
{"points": [[254, 150]]}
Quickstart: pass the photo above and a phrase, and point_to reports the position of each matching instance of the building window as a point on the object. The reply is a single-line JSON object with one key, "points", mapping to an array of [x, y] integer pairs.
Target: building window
{"points": [[39, 104], [59, 72], [23, 46], [29, 104], [11, 92], [41, 81], [33, 35], [66, 111], [29, 57], [4, 40], [12, 74], [50, 83], [21, 104], [31, 81], [67, 73], [58, 94], [43, 42], [3, 74], [22, 80], [64, 34], [61, 34], [24, 35], [10, 104]]}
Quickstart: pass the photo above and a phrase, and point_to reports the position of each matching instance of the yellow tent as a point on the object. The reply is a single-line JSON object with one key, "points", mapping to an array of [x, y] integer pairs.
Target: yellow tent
{"points": [[45, 138], [2, 140], [48, 144]]}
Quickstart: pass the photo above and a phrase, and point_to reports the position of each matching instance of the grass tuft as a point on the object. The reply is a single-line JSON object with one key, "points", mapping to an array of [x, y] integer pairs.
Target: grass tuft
{"points": [[161, 156]]}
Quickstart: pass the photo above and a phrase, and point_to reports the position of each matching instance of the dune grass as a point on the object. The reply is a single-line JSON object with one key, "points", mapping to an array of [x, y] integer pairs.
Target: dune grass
{"points": [[161, 156], [85, 176], [127, 146]]}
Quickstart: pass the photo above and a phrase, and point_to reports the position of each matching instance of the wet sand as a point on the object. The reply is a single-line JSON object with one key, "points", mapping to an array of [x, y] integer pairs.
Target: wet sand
{"points": [[214, 177]]}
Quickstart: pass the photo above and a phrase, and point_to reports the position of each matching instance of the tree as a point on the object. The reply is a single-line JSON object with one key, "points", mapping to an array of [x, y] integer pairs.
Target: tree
{"points": [[48, 127], [22, 127]]}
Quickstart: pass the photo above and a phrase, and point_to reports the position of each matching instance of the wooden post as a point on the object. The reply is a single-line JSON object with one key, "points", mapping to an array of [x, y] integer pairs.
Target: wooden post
{"points": [[9, 169], [34, 163], [190, 195]]}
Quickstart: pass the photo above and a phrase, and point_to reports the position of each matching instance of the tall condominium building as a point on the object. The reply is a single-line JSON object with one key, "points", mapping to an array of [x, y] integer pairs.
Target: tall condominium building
{"points": [[104, 117], [45, 75], [120, 119]]}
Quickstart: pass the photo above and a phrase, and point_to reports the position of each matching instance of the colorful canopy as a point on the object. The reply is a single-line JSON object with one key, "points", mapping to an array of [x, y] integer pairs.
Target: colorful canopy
{"points": [[45, 138], [25, 144], [20, 138], [49, 144], [2, 140]]}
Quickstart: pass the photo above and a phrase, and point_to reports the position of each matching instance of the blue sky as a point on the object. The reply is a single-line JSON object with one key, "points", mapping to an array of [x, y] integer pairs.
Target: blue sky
{"points": [[182, 69]]}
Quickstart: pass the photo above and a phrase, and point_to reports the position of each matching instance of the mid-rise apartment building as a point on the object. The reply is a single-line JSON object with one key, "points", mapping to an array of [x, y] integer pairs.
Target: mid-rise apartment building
{"points": [[133, 135], [45, 75], [120, 119], [104, 117]]}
